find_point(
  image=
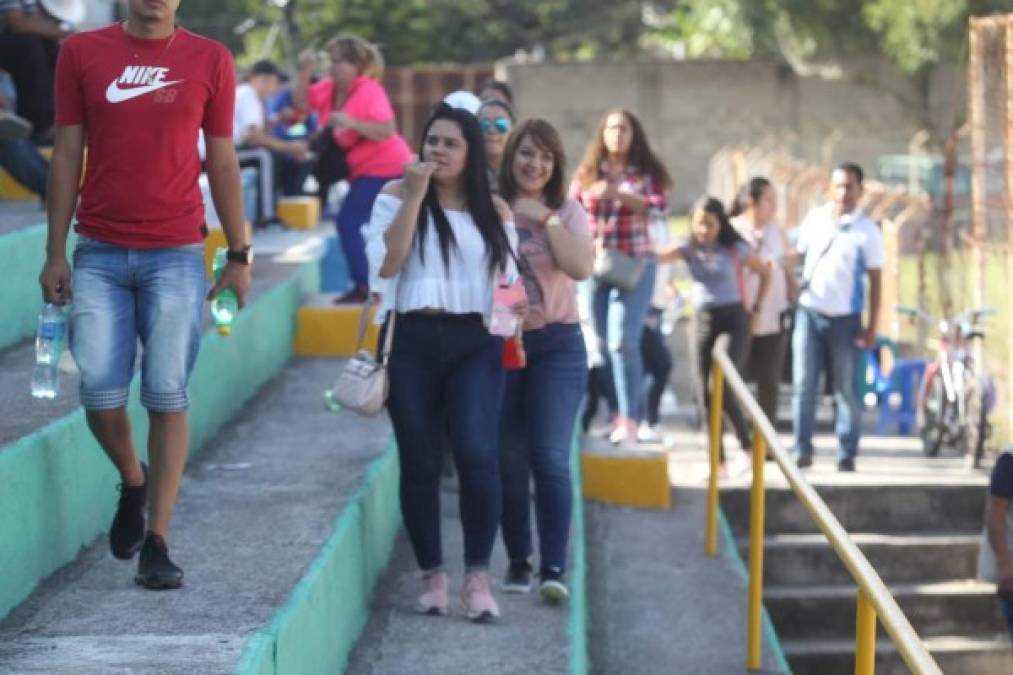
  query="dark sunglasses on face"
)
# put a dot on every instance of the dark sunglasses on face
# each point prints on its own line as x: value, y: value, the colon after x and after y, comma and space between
x: 500, y: 124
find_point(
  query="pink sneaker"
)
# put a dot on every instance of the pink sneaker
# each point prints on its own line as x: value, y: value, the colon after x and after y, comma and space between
x: 434, y: 599
x: 479, y: 605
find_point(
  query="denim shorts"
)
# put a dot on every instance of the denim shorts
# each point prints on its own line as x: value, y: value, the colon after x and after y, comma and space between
x: 122, y: 295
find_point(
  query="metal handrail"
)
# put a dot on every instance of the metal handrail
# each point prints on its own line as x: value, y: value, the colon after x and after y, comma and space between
x: 874, y: 599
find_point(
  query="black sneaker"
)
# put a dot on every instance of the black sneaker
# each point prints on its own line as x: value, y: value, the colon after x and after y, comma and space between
x: 552, y: 588
x: 803, y: 461
x: 846, y: 465
x: 126, y: 534
x: 154, y: 569
x: 518, y: 578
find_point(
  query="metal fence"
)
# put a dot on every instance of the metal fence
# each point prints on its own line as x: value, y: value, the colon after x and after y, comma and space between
x: 990, y: 262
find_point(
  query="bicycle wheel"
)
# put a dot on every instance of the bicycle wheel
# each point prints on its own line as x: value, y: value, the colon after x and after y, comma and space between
x: 975, y: 425
x: 932, y: 409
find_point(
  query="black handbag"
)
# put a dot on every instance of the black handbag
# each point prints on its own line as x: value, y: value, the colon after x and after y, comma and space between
x: 331, y: 165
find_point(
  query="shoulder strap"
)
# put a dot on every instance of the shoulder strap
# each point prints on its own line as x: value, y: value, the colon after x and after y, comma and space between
x: 360, y: 340
x: 826, y: 249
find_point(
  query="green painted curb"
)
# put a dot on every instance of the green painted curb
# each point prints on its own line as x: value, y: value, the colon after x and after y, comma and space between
x: 316, y: 628
x: 57, y: 493
x: 769, y: 634
x: 23, y: 252
x: 578, y: 620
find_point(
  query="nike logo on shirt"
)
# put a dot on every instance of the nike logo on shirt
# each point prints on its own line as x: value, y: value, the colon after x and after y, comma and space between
x: 150, y: 78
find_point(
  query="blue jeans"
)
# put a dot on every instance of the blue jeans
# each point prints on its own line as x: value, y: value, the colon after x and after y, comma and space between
x: 22, y: 161
x: 539, y: 412
x: 446, y: 375
x: 619, y: 325
x: 823, y: 342
x: 354, y: 213
x: 123, y: 294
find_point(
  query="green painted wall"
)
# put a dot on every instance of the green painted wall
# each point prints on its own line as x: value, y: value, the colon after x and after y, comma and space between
x: 22, y: 252
x: 578, y: 620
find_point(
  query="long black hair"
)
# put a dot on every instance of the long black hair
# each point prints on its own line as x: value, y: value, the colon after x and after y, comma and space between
x: 478, y: 194
x: 727, y: 235
x: 750, y: 192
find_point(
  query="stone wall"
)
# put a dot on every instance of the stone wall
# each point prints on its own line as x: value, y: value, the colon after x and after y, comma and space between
x: 692, y: 108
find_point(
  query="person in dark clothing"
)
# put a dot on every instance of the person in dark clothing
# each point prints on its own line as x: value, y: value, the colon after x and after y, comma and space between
x: 995, y: 557
x: 29, y: 43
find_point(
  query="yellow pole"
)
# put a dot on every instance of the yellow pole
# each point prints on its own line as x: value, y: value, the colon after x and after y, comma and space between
x: 717, y: 393
x: 754, y: 640
x: 865, y: 636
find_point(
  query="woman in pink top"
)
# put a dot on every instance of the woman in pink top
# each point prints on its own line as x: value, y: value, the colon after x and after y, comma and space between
x: 541, y: 401
x: 354, y: 104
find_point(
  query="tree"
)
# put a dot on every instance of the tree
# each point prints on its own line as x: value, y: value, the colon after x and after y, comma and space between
x: 916, y: 37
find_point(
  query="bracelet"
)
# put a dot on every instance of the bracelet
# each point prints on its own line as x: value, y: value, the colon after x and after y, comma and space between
x: 552, y: 220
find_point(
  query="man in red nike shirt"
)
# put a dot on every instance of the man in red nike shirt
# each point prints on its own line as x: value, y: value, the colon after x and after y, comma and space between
x: 136, y: 94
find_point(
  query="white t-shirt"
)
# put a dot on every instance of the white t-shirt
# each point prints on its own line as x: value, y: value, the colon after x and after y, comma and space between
x: 249, y: 112
x: 465, y: 288
x: 769, y: 243
x: 837, y: 277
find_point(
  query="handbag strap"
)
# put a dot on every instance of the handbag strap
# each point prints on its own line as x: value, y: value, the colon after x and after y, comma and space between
x: 826, y: 249
x: 388, y: 340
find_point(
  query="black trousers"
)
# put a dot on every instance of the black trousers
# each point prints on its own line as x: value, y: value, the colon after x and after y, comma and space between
x: 657, y: 364
x: 31, y: 61
x: 711, y: 323
x: 764, y: 366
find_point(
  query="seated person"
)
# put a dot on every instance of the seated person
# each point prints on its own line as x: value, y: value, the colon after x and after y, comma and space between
x: 255, y: 144
x: 29, y: 43
x: 288, y: 122
x: 18, y: 155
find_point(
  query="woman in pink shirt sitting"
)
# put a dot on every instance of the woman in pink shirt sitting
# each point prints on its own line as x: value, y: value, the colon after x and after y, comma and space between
x: 354, y: 104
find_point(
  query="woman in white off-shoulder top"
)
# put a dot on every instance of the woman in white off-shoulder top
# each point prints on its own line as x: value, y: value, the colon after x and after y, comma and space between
x: 438, y: 243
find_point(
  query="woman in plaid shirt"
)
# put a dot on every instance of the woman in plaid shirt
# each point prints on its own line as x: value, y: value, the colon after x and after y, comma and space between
x: 622, y: 184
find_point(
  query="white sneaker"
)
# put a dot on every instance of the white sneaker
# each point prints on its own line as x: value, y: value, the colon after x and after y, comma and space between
x: 647, y: 434
x: 741, y: 465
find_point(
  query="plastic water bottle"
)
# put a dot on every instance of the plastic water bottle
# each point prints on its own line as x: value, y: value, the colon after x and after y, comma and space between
x: 331, y: 402
x: 225, y: 305
x: 49, y: 341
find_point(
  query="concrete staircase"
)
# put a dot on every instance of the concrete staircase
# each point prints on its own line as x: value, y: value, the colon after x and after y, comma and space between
x: 918, y: 522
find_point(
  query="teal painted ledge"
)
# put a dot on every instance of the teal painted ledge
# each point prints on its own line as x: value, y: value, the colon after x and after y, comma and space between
x: 578, y: 620
x: 23, y: 252
x: 314, y: 631
x: 56, y: 485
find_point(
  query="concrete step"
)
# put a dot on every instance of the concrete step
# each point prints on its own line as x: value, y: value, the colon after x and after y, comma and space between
x: 808, y: 559
x: 904, y: 508
x: 529, y: 637
x: 988, y: 654
x: 254, y: 512
x: 964, y: 607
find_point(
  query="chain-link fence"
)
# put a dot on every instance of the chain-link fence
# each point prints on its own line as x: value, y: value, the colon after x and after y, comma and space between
x: 906, y: 219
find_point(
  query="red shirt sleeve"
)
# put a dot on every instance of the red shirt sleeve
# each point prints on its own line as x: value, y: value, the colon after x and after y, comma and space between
x: 220, y: 107
x: 69, y: 95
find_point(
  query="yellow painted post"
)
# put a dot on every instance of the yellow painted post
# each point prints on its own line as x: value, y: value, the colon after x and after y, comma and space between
x: 756, y: 526
x: 716, y: 401
x: 865, y: 636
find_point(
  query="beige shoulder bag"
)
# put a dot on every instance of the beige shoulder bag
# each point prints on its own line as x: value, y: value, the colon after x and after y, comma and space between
x: 363, y: 385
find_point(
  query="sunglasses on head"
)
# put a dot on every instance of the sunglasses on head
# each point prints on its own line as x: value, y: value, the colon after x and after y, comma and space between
x: 500, y: 124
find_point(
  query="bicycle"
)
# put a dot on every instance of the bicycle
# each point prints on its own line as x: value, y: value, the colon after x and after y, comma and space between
x: 955, y: 397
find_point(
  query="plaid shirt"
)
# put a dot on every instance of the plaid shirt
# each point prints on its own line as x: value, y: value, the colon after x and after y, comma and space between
x: 616, y: 225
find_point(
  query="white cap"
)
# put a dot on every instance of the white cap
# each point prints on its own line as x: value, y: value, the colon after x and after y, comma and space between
x: 71, y: 11
x: 463, y: 99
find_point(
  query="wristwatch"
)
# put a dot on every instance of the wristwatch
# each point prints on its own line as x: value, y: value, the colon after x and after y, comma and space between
x: 243, y: 257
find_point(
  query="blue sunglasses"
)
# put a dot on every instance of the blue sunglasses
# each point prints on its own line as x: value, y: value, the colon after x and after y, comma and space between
x: 501, y: 124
